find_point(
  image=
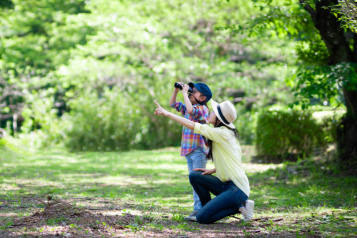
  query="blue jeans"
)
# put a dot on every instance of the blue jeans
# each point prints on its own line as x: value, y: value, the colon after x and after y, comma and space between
x: 229, y: 198
x: 196, y: 159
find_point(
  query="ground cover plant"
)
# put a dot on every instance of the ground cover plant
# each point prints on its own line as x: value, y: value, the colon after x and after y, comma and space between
x: 146, y: 194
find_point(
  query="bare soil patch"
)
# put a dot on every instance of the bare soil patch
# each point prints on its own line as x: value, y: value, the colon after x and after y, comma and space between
x: 60, y: 218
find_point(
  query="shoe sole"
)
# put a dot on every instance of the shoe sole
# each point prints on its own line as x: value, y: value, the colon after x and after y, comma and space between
x: 190, y: 218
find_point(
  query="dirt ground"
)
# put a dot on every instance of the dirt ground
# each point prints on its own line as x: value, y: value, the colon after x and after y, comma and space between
x: 51, y: 217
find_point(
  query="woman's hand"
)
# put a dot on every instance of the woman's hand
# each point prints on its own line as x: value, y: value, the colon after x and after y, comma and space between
x: 160, y: 111
x: 205, y: 171
x: 181, y: 120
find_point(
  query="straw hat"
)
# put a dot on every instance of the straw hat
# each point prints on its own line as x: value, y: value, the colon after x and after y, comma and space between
x: 225, y: 112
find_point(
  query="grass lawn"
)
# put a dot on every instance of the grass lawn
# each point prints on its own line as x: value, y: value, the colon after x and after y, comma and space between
x: 147, y: 194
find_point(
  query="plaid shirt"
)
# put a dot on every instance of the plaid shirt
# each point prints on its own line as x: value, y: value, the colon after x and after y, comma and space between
x: 190, y: 140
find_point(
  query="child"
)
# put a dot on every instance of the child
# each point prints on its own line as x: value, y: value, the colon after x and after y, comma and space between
x: 193, y: 146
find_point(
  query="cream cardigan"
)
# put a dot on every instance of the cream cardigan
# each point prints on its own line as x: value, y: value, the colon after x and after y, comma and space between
x: 226, y: 154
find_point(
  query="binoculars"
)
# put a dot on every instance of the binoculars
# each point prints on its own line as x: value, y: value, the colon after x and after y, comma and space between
x: 179, y: 86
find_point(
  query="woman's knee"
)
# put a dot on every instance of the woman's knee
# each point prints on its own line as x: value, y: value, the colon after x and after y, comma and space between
x: 194, y: 175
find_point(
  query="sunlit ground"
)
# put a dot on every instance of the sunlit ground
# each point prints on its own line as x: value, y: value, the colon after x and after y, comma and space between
x: 147, y: 192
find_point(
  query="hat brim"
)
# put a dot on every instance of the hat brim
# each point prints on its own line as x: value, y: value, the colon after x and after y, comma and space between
x: 214, y: 105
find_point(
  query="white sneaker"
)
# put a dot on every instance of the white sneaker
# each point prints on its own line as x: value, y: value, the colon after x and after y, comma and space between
x: 191, y: 217
x: 248, y: 210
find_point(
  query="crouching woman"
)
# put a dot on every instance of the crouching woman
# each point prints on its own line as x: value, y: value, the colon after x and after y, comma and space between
x: 230, y: 185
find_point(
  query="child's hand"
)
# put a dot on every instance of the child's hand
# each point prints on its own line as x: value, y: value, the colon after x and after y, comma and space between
x: 159, y: 110
x: 185, y: 89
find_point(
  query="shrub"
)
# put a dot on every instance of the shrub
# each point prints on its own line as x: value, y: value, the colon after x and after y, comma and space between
x: 329, y: 121
x: 108, y: 123
x: 286, y: 135
x: 245, y: 124
x: 116, y: 122
x: 9, y: 149
x: 42, y: 128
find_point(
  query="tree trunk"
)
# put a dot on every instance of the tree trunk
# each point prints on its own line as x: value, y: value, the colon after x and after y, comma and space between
x: 347, y: 134
x: 340, y: 50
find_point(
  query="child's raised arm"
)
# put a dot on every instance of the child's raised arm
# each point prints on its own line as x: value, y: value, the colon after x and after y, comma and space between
x: 188, y: 103
x: 173, y: 97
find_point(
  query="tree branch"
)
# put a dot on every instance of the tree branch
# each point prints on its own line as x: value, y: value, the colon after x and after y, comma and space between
x: 309, y: 9
x: 352, y: 6
x: 352, y: 1
x: 355, y: 46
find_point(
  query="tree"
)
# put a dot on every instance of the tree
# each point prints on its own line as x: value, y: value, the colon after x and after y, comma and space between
x: 36, y: 36
x: 342, y: 48
x: 348, y: 11
x: 327, y: 51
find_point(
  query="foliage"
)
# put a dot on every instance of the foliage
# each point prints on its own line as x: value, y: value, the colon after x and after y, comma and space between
x: 329, y: 126
x: 324, y: 83
x: 35, y: 37
x: 2, y: 143
x: 56, y: 55
x: 9, y: 148
x: 327, y: 59
x: 316, y: 77
x: 347, y: 13
x: 286, y: 134
x: 114, y: 122
x: 245, y: 123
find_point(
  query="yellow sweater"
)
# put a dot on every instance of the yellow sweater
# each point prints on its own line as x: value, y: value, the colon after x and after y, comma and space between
x: 226, y: 154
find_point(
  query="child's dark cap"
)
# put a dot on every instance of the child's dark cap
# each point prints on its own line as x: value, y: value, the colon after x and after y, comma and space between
x: 202, y: 88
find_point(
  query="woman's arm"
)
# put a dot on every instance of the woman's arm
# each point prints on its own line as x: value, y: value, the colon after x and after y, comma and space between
x: 181, y: 120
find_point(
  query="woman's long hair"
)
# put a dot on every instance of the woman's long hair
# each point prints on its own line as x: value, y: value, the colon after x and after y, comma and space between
x: 218, y: 123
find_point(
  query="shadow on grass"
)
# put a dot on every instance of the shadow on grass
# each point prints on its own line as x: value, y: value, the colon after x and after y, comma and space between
x: 61, y: 218
x: 304, y: 185
x: 151, y: 191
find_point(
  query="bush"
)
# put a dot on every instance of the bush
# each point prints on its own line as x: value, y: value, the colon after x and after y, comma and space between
x: 101, y: 124
x: 9, y: 149
x: 115, y: 121
x: 42, y: 128
x: 287, y: 135
x: 245, y: 124
x: 329, y: 121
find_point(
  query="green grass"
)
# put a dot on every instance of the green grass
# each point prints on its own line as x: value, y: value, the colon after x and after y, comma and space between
x: 148, y: 193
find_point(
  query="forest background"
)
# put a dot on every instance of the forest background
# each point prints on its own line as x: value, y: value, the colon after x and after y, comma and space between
x: 81, y: 76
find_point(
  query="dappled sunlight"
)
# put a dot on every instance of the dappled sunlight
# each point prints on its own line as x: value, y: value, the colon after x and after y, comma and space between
x: 255, y: 168
x: 165, y: 166
x: 121, y: 181
x: 28, y: 183
x: 50, y: 157
x: 172, y: 198
x: 153, y: 192
x: 9, y: 186
x: 165, y: 150
x: 8, y: 215
x: 167, y: 181
x: 113, y: 212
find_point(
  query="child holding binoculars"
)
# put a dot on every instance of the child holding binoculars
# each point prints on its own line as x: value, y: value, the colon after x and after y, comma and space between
x: 193, y: 146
